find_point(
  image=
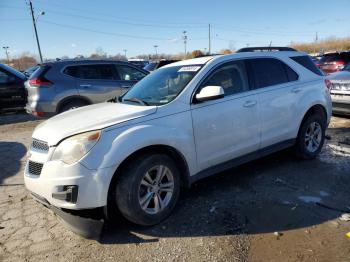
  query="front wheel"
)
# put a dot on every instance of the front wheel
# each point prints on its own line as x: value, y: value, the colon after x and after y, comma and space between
x: 148, y: 189
x: 311, y: 137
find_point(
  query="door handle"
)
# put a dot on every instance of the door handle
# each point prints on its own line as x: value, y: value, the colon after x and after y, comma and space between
x: 296, y: 90
x: 249, y: 103
x: 85, y: 86
x: 126, y: 86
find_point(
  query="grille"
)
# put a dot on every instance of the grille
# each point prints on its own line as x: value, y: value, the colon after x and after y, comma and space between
x: 40, y: 145
x: 34, y: 168
x: 341, y: 86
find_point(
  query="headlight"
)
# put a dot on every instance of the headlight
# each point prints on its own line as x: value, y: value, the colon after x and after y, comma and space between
x: 74, y: 148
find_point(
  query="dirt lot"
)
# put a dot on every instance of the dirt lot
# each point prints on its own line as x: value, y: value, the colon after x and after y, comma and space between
x: 230, y: 217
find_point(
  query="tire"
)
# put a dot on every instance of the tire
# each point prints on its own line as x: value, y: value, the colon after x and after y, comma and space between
x: 310, y: 141
x: 71, y: 105
x: 133, y: 189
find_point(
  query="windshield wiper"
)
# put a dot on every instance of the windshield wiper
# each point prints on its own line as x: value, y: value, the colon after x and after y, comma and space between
x: 137, y: 100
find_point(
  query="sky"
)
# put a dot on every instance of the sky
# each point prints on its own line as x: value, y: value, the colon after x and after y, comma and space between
x: 79, y: 27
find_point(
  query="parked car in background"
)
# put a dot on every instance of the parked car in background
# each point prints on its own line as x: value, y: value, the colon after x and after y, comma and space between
x: 140, y: 63
x: 28, y: 72
x: 63, y: 85
x: 316, y: 60
x: 333, y: 62
x: 12, y: 91
x: 186, y: 121
x: 158, y: 64
x: 340, y: 91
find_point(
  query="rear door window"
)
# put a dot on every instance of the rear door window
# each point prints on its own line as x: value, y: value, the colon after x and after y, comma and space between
x: 71, y: 71
x: 270, y: 71
x: 98, y: 72
x: 306, y: 62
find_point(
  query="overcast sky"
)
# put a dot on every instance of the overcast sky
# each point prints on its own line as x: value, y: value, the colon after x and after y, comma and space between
x: 79, y: 27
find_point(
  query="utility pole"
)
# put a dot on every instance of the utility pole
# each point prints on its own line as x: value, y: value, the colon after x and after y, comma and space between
x: 209, y: 41
x: 7, y: 53
x: 36, y: 32
x: 185, y: 41
x: 125, y: 52
x: 155, y: 48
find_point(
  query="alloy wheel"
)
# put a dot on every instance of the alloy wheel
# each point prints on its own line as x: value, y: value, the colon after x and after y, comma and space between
x: 156, y: 189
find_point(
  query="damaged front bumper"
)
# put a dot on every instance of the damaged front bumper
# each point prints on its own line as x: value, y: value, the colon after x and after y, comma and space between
x: 87, y: 223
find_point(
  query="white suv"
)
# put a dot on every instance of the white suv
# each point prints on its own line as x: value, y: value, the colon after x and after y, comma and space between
x: 185, y: 121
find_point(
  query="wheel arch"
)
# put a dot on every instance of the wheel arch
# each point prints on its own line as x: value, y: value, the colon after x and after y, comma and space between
x: 158, y: 149
x: 315, y: 109
x: 68, y: 99
x: 154, y: 149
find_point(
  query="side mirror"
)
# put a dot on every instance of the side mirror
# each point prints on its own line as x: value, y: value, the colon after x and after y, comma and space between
x: 210, y: 93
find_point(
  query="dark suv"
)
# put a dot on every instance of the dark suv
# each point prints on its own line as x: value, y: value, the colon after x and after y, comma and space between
x: 63, y: 85
x: 12, y: 92
x: 333, y: 62
x: 154, y: 65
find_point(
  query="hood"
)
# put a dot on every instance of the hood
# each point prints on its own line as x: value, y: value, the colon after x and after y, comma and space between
x: 339, y: 76
x: 88, y: 118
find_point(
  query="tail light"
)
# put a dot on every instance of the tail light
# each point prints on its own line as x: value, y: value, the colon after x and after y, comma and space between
x: 40, y: 82
x: 328, y: 84
x: 39, y: 114
x: 339, y: 64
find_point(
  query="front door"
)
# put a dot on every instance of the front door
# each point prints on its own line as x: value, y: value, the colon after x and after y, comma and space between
x: 226, y: 128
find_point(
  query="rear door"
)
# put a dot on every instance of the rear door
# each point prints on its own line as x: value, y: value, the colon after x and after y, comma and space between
x: 278, y: 96
x: 128, y: 76
x: 12, y: 92
x: 99, y: 82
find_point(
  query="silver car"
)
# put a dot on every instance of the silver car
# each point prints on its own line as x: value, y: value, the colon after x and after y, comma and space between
x: 63, y: 85
x: 340, y: 91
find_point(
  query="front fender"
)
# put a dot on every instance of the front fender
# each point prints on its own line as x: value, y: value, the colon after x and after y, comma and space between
x: 119, y: 143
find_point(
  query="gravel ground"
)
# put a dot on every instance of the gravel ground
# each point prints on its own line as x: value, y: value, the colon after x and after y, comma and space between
x: 274, y: 209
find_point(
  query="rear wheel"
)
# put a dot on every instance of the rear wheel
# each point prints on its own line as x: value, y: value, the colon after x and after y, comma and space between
x: 72, y: 105
x: 148, y: 189
x: 311, y: 137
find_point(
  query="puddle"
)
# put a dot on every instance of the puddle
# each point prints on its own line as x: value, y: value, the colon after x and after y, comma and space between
x: 336, y: 154
x: 323, y: 193
x: 310, y: 199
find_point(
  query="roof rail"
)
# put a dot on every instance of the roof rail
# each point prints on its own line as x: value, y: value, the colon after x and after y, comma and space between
x: 265, y: 49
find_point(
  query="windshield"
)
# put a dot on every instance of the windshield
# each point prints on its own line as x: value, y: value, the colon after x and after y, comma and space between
x: 162, y: 86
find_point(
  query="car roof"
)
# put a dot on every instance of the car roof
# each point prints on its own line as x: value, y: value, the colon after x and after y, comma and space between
x: 12, y: 71
x: 86, y: 61
x: 207, y: 59
x: 194, y: 61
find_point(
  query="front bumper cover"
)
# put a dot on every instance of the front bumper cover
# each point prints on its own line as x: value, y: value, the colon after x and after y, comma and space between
x: 87, y: 223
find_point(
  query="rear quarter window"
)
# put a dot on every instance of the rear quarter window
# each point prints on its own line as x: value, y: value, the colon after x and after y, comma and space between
x: 307, y: 63
x: 40, y: 72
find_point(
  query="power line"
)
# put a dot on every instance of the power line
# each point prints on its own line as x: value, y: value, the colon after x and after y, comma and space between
x: 177, y: 23
x: 113, y: 20
x: 104, y: 32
